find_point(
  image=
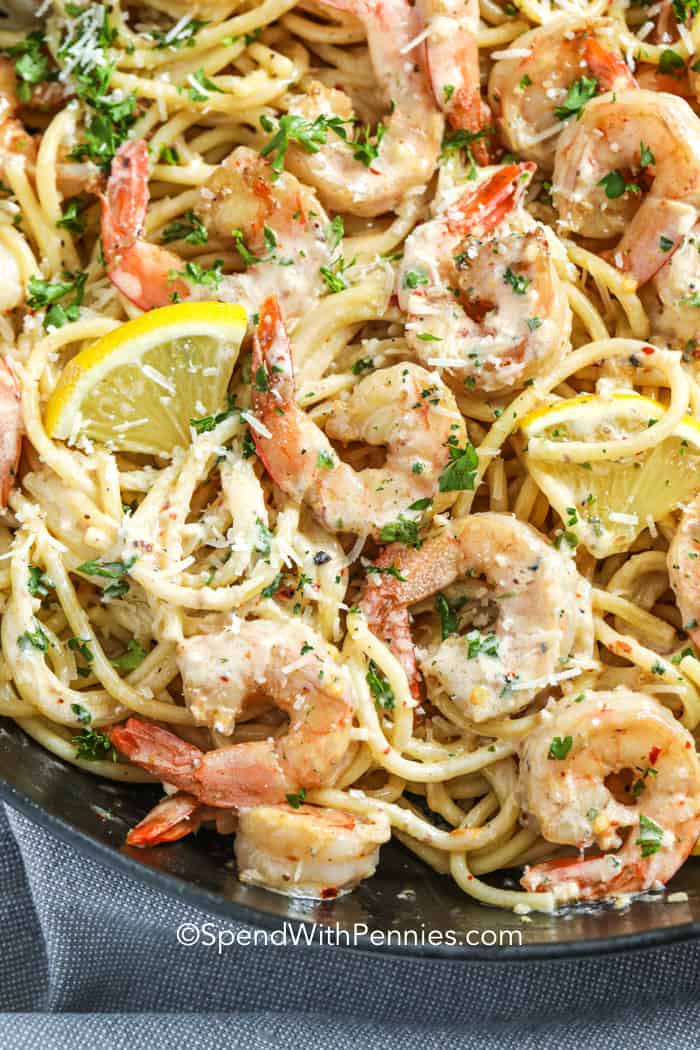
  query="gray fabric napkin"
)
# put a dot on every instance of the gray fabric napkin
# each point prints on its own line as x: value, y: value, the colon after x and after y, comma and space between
x: 78, y: 939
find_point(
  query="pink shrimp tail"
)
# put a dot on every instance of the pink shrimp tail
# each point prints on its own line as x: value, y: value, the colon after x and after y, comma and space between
x: 126, y: 201
x: 610, y: 69
x: 479, y: 211
x: 158, y: 751
x: 272, y: 358
x: 173, y: 818
x: 10, y: 430
x: 141, y: 271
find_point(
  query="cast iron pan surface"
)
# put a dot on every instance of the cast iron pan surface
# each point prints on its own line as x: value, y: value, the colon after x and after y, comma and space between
x: 94, y: 816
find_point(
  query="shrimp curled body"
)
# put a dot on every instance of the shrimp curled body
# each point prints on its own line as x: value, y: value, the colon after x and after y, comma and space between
x: 568, y: 771
x: 484, y: 301
x: 528, y: 94
x: 295, y: 671
x: 403, y: 407
x: 532, y: 607
x: 306, y: 851
x: 647, y: 134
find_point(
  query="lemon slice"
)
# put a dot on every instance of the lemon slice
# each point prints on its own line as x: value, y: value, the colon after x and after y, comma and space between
x: 137, y: 388
x: 605, y: 505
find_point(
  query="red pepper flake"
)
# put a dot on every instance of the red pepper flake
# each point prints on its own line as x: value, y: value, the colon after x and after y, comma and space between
x: 623, y: 647
x: 653, y: 755
x: 329, y: 893
x: 648, y: 350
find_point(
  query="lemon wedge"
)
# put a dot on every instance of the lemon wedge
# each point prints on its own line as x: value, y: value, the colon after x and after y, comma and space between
x: 138, y: 387
x: 605, y: 505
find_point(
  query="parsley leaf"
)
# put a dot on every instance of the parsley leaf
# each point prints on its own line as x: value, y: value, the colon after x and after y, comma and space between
x: 401, y: 531
x: 517, y: 281
x: 131, y: 658
x: 448, y: 616
x: 291, y: 127
x: 72, y: 217
x: 650, y: 836
x: 670, y: 61
x: 477, y: 643
x: 190, y: 229
x: 49, y: 293
x: 379, y: 687
x: 560, y: 747
x: 580, y: 92
x: 201, y: 86
x: 460, y: 473
x: 296, y: 798
x: 615, y: 185
x: 39, y: 583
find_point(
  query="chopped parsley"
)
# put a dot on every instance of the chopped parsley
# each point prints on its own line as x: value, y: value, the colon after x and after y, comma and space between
x: 478, y: 644
x: 207, y: 423
x: 460, y: 473
x: 363, y: 364
x: 178, y: 36
x: 646, y: 157
x: 31, y: 64
x: 403, y: 530
x: 448, y: 616
x: 310, y: 134
x: 616, y: 185
x: 189, y: 228
x: 670, y: 61
x: 391, y: 570
x: 334, y: 275
x: 72, y: 217
x: 201, y: 87
x: 39, y: 583
x: 517, y: 281
x: 50, y: 293
x: 461, y: 141
x: 201, y: 274
x: 115, y: 113
x: 296, y: 798
x: 414, y: 278
x: 650, y: 836
x: 379, y: 687
x: 560, y: 747
x: 131, y: 658
x: 580, y: 92
x: 34, y: 639
x: 112, y: 570
x: 91, y: 745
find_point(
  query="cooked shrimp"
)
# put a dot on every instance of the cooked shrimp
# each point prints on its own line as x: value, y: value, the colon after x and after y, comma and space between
x: 575, y: 766
x: 672, y: 296
x: 278, y: 221
x: 307, y: 851
x: 568, y: 58
x: 15, y: 141
x: 404, y: 407
x: 522, y: 605
x: 407, y: 154
x: 683, y: 570
x: 171, y: 819
x: 483, y: 298
x: 452, y: 58
x: 297, y: 672
x: 142, y: 271
x: 10, y: 430
x: 644, y: 132
x: 242, y: 194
